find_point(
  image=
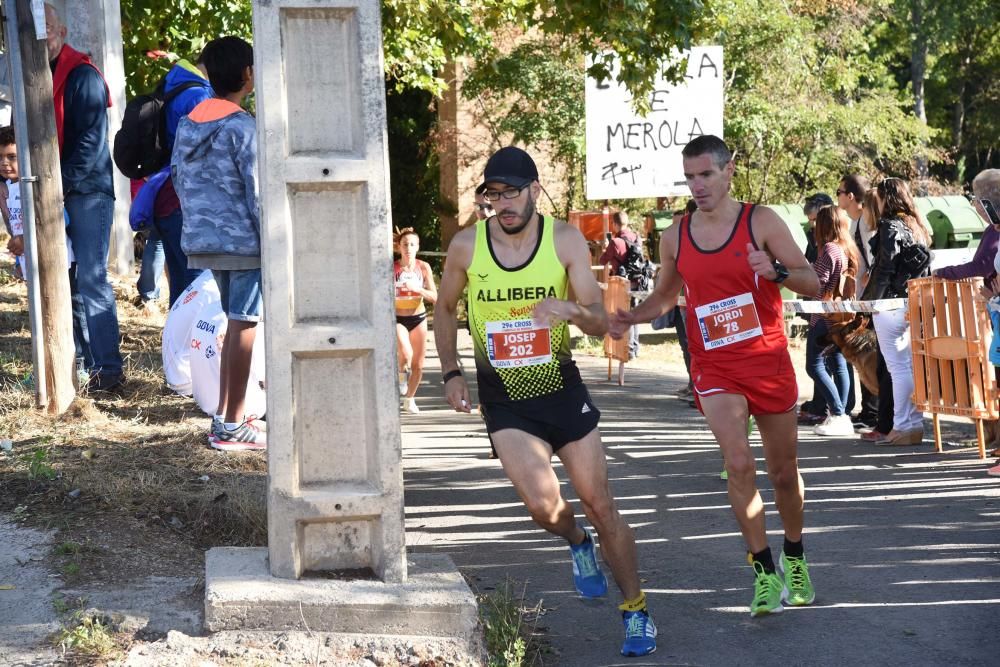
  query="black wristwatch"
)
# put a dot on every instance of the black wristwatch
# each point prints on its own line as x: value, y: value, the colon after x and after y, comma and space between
x: 782, y: 272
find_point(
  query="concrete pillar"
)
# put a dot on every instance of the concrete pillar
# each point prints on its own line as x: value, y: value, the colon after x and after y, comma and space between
x: 335, y: 484
x: 335, y: 488
x: 95, y: 27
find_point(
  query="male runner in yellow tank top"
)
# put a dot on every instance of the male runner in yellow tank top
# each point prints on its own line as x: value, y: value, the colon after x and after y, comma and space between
x: 517, y: 266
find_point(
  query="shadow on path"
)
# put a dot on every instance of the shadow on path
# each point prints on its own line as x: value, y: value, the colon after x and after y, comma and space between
x: 904, y: 544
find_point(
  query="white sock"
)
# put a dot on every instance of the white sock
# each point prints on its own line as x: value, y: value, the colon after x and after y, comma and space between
x: 231, y: 426
x: 219, y: 418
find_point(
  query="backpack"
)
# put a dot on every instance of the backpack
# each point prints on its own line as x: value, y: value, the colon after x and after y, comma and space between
x: 141, y: 144
x: 636, y: 267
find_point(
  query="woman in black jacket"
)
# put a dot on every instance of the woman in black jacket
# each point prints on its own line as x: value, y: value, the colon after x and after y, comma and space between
x: 901, y: 251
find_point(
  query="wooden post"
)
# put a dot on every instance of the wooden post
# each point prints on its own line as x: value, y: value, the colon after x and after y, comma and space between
x: 50, y: 228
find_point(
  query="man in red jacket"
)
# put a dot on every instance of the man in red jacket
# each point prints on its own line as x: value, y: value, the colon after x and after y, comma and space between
x: 81, y: 100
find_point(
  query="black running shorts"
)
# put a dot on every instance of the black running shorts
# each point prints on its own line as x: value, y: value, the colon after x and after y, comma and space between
x: 559, y: 418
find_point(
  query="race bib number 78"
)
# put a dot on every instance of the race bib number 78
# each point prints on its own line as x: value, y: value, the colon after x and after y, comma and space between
x: 728, y: 321
x: 517, y: 343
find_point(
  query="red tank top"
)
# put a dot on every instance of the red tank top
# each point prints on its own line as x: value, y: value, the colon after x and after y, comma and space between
x: 734, y: 318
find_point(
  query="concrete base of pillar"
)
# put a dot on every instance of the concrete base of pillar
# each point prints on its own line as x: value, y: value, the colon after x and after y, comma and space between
x: 241, y: 594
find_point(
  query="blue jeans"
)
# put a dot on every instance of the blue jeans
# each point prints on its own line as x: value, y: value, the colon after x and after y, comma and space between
x: 168, y: 228
x: 152, y: 267
x: 90, y: 220
x: 833, y: 384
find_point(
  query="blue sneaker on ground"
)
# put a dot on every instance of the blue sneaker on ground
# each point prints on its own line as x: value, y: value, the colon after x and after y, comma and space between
x: 640, y: 634
x: 588, y: 578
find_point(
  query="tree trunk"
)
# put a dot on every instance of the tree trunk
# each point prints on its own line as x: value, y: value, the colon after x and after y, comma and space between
x: 50, y: 227
x: 958, y: 116
x: 918, y: 71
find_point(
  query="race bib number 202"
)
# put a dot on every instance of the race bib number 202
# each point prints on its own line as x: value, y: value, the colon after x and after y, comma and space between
x: 517, y: 343
x: 728, y: 321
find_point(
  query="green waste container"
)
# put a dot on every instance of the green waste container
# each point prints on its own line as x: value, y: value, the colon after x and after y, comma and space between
x: 661, y: 220
x: 954, y: 222
x: 795, y: 220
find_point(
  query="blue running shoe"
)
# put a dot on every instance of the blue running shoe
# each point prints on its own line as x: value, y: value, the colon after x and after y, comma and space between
x: 640, y: 634
x: 588, y: 578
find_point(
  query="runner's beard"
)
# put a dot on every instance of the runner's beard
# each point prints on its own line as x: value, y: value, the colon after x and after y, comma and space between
x: 529, y: 213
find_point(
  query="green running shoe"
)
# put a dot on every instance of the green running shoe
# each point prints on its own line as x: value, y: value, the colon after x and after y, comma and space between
x: 799, y: 590
x: 724, y: 475
x: 767, y: 591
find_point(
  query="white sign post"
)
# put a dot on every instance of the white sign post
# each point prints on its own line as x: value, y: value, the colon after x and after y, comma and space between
x: 633, y: 156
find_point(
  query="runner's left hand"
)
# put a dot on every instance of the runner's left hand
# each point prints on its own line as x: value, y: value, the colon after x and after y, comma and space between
x: 761, y: 263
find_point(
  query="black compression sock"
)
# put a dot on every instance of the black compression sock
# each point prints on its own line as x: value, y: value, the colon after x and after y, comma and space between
x: 765, y: 559
x: 793, y: 549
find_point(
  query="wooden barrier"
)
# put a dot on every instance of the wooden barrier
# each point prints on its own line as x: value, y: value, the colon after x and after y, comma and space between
x: 951, y: 334
x: 616, y: 297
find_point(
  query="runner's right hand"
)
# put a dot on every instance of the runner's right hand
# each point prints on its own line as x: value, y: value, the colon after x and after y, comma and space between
x: 457, y: 393
x: 619, y: 323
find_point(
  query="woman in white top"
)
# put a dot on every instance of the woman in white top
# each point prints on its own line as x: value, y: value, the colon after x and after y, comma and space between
x: 414, y: 285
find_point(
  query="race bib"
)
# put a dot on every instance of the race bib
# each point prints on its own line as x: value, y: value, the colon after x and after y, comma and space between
x: 728, y: 321
x: 407, y: 299
x: 517, y: 343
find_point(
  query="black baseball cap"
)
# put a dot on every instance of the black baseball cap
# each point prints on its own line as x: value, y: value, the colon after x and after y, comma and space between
x: 511, y: 166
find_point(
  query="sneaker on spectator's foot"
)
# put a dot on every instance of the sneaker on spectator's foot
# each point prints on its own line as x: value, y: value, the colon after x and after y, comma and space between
x: 870, y: 420
x: 215, y: 429
x: 105, y: 382
x: 247, y: 436
x: 994, y: 471
x: 873, y: 435
x: 809, y: 419
x: 640, y: 634
x: 767, y: 591
x: 799, y: 590
x: 835, y: 426
x: 588, y: 578
x: 724, y: 475
x: 410, y: 405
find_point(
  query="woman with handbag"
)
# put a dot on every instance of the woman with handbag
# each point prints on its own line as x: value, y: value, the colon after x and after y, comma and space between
x: 902, y: 252
x: 836, y: 266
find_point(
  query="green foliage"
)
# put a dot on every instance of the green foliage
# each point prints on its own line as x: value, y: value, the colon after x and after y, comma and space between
x: 962, y: 99
x: 38, y: 465
x: 805, y: 101
x: 509, y: 641
x: 535, y: 96
x: 413, y: 164
x: 86, y: 635
x: 67, y: 549
x: 157, y: 33
x: 420, y: 36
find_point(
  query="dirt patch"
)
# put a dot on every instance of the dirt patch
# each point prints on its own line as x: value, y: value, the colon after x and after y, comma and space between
x: 129, y: 497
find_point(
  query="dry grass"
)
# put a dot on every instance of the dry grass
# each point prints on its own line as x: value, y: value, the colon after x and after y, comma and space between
x: 139, y: 457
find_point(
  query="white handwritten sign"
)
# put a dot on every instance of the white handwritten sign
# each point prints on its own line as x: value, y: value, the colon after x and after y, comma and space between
x: 633, y: 156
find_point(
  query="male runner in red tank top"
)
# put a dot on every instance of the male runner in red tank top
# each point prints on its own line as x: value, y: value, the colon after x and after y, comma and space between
x: 731, y: 258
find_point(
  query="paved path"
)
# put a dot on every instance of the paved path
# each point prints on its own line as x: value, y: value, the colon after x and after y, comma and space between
x: 904, y: 543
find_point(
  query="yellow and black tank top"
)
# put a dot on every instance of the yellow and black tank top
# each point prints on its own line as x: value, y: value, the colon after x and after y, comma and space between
x: 517, y: 359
